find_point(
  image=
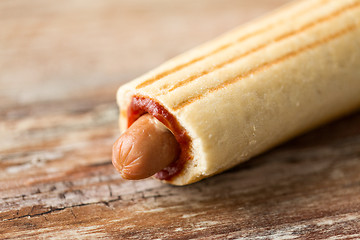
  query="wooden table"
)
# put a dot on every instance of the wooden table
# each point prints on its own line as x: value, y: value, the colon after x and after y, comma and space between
x: 60, y: 65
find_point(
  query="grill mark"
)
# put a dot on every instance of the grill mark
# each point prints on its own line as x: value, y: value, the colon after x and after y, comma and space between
x: 266, y: 66
x: 262, y: 46
x: 222, y: 47
x: 181, y: 66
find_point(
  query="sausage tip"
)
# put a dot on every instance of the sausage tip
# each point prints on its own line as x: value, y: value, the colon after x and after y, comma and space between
x: 144, y: 149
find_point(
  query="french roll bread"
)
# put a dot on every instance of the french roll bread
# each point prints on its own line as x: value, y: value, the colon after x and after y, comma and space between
x: 253, y: 88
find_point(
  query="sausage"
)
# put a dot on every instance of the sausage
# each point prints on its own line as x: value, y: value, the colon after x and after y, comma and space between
x: 144, y: 149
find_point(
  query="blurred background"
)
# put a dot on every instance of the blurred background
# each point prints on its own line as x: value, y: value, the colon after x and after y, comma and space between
x: 55, y: 50
x: 61, y: 63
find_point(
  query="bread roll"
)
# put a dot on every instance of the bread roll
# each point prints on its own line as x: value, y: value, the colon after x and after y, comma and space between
x: 252, y: 88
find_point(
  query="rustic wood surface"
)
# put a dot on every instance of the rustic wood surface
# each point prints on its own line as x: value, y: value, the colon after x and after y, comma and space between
x: 60, y: 65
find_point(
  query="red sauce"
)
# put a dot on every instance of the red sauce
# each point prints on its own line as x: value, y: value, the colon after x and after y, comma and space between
x: 140, y: 105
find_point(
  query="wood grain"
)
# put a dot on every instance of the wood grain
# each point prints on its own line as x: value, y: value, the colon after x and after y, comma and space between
x: 60, y: 65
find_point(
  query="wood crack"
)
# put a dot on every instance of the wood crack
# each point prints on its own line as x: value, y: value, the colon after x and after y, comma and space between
x: 52, y: 210
x: 131, y: 198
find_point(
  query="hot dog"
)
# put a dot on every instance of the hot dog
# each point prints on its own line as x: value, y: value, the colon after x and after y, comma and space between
x: 245, y: 92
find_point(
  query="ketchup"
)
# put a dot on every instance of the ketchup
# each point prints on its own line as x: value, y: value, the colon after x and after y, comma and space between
x: 141, y: 105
